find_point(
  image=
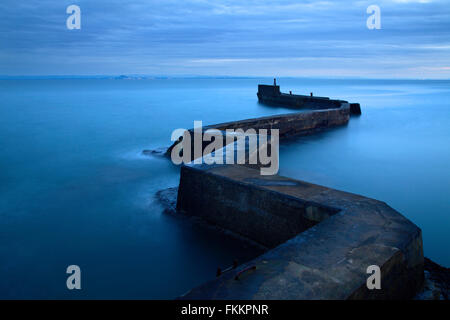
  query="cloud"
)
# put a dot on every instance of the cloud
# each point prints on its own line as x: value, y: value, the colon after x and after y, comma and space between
x: 210, y: 37
x: 412, y: 1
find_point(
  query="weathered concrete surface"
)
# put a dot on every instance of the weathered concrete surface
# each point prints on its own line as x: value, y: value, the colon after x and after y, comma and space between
x: 261, y: 214
x: 289, y: 125
x: 324, y: 239
x: 293, y: 124
x: 321, y: 240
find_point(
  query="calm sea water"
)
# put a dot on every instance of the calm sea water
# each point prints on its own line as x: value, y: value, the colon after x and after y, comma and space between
x: 75, y: 189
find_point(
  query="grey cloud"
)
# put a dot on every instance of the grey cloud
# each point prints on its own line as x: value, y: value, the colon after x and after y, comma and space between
x: 229, y: 37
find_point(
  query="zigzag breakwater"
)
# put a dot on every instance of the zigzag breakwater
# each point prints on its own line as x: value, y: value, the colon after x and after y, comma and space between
x: 320, y: 242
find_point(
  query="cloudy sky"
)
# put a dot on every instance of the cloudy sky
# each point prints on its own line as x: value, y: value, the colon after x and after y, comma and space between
x: 226, y: 37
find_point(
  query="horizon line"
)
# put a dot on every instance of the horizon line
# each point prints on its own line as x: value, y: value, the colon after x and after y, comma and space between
x: 194, y: 76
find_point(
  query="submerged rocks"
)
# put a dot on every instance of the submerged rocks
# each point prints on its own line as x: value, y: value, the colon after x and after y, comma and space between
x: 155, y: 152
x: 168, y: 199
x: 437, y: 282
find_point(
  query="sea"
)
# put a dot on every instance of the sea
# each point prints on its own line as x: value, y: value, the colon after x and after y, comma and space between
x: 75, y: 188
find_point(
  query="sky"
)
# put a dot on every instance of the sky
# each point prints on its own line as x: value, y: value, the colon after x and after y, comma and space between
x: 226, y: 38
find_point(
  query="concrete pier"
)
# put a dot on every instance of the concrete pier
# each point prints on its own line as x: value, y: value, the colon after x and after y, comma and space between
x: 271, y: 95
x: 321, y: 240
x: 289, y: 125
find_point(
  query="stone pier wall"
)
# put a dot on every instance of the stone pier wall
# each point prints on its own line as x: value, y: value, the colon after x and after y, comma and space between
x: 321, y: 240
x: 293, y: 124
x: 262, y: 215
x: 289, y: 125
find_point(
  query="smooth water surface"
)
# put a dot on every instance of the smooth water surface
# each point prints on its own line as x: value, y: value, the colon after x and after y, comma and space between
x: 75, y: 189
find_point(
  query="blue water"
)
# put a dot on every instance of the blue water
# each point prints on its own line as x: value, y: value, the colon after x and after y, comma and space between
x: 75, y: 189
